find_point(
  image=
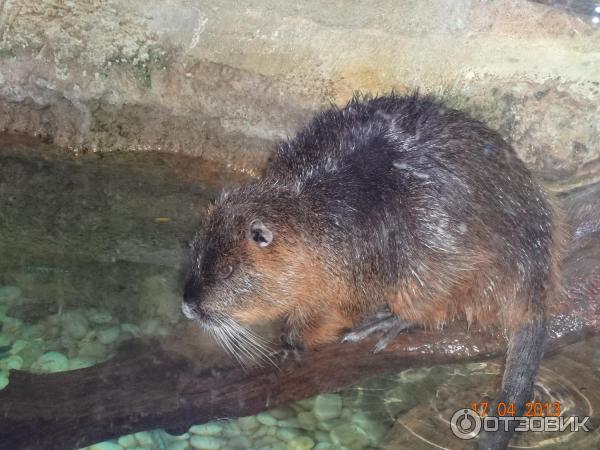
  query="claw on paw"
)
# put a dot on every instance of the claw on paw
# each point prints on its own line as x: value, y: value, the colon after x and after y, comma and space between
x: 386, y: 323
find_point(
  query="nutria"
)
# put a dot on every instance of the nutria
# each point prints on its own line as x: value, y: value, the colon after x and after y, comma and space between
x: 393, y: 202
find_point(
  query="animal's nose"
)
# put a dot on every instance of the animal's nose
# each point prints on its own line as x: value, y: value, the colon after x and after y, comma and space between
x: 191, y: 291
x: 188, y: 311
x: 191, y: 299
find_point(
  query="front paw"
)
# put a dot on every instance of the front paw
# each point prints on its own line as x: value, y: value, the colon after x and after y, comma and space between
x: 291, y: 348
x: 290, y: 341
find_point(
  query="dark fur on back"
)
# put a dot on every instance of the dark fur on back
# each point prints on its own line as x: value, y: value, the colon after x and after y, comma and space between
x: 391, y: 200
x: 395, y: 178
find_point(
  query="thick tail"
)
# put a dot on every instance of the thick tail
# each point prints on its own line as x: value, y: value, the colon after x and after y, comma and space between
x: 522, y: 362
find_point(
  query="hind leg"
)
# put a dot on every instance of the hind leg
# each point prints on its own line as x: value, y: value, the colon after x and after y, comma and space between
x: 384, y: 322
x: 391, y: 321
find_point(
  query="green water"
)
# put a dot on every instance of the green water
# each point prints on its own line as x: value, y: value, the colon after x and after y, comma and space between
x: 93, y: 251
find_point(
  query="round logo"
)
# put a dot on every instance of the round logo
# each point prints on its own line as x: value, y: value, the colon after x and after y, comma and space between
x: 465, y: 424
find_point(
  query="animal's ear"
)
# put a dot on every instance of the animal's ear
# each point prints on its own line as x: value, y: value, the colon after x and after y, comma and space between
x: 260, y: 234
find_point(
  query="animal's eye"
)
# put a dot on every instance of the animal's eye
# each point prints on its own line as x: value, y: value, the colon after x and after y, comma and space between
x: 226, y: 271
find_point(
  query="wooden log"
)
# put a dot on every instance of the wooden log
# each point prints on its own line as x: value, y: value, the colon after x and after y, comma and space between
x: 152, y: 384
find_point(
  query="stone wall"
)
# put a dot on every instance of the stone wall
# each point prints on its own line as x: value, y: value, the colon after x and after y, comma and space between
x: 225, y: 79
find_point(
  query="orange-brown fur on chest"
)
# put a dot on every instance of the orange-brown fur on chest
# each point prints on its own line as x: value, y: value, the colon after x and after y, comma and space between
x: 297, y: 284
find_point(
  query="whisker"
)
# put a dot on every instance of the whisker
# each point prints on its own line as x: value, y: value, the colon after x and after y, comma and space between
x: 248, y: 348
x: 259, y: 345
x: 256, y: 348
x: 225, y: 341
